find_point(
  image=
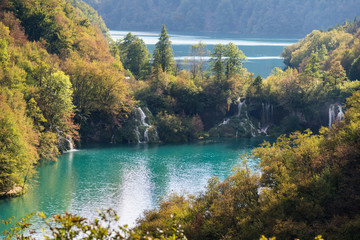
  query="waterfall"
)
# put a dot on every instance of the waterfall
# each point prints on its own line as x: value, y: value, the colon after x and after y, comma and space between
x: 331, y: 115
x: 144, y: 129
x: 252, y: 129
x: 142, y: 117
x: 246, y: 122
x: 267, y: 116
x: 137, y: 134
x: 340, y: 115
x: 263, y: 130
x: 240, y: 104
x: 335, y: 114
x: 69, y: 140
x: 65, y: 142
x: 146, y: 135
x: 226, y: 121
x: 112, y: 141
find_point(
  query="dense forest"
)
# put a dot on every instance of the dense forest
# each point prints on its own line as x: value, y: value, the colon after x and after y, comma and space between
x: 248, y: 17
x: 53, y: 84
x: 63, y: 80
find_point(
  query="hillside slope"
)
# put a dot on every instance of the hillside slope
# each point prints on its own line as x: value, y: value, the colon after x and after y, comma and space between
x: 256, y: 17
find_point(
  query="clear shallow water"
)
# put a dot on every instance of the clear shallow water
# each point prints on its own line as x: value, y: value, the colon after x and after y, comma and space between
x: 263, y: 53
x: 127, y: 178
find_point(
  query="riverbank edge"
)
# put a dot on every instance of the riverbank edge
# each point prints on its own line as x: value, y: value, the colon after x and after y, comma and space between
x: 16, y: 191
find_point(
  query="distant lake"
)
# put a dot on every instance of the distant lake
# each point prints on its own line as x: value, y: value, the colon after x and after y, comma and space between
x: 263, y: 54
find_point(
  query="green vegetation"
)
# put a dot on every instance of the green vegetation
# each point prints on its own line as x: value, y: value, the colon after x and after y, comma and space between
x: 133, y: 54
x: 319, y: 74
x: 248, y: 17
x: 53, y: 85
x: 69, y: 226
x: 307, y: 185
x: 60, y: 79
x: 163, y: 54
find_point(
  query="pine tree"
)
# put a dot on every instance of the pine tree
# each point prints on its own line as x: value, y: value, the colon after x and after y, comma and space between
x: 163, y: 53
x: 216, y: 62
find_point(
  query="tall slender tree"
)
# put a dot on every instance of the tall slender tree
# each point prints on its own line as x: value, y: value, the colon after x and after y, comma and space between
x: 216, y: 62
x: 198, y: 51
x: 234, y: 58
x: 163, y: 53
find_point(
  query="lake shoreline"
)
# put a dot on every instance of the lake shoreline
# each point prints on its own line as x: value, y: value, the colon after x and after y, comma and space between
x: 127, y: 177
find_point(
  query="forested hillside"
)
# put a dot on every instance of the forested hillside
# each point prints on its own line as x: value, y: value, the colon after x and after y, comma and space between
x: 61, y: 80
x: 248, y: 17
x: 56, y: 77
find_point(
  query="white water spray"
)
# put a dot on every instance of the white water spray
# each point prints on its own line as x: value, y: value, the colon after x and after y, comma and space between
x: 145, y: 138
x: 335, y: 114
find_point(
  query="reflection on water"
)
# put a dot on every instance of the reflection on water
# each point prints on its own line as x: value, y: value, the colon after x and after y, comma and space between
x: 127, y: 178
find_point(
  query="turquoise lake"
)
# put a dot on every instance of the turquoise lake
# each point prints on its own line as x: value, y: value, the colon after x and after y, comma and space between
x: 127, y: 178
x: 263, y: 54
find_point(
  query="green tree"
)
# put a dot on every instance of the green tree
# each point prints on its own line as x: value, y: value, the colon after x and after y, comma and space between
x: 233, y: 60
x: 313, y: 66
x: 56, y: 99
x: 336, y: 73
x: 216, y: 61
x: 163, y: 54
x: 198, y: 51
x: 355, y: 70
x: 135, y: 55
x: 17, y: 144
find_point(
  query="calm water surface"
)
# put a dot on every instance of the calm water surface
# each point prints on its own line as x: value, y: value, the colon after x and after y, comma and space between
x: 263, y: 54
x: 127, y: 178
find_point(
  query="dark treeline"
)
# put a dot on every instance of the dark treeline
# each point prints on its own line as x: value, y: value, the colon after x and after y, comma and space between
x: 248, y: 17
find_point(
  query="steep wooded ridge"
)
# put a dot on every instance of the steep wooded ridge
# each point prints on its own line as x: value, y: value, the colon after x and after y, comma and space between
x: 248, y: 17
x: 56, y: 77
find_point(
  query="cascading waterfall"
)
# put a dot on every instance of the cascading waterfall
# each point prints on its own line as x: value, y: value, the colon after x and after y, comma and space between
x: 226, y: 121
x: 145, y: 138
x: 331, y: 115
x: 69, y: 140
x: 112, y: 141
x: 340, y: 115
x: 146, y: 135
x: 263, y: 130
x: 335, y: 114
x: 65, y: 141
x: 240, y: 105
x: 247, y: 124
x: 137, y: 132
x: 267, y: 115
x: 142, y: 117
